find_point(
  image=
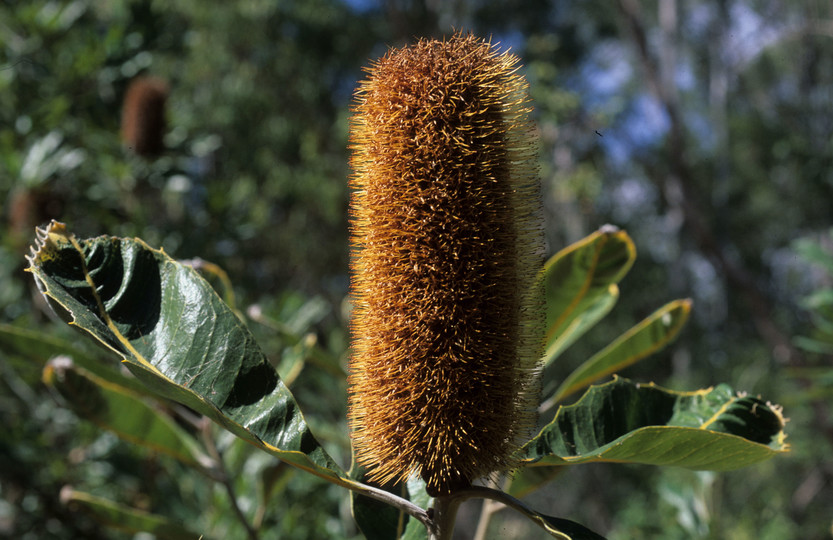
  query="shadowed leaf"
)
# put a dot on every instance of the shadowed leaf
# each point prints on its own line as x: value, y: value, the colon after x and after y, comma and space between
x: 118, y: 409
x: 125, y: 518
x: 649, y: 336
x: 580, y: 285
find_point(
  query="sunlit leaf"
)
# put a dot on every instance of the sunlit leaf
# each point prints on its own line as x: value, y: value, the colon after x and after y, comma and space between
x: 418, y: 495
x: 580, y: 285
x: 591, y: 313
x: 178, y: 337
x: 528, y: 479
x: 649, y: 336
x: 713, y: 429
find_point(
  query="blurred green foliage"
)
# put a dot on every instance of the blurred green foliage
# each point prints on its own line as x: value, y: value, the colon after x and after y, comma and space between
x: 254, y: 180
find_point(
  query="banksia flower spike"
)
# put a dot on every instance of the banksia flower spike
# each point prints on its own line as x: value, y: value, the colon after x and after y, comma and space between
x: 447, y: 240
x: 143, y: 116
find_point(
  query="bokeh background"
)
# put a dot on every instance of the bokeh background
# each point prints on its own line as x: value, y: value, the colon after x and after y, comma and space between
x: 702, y: 127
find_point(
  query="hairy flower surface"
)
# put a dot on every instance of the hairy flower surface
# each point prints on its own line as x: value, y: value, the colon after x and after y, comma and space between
x: 447, y: 239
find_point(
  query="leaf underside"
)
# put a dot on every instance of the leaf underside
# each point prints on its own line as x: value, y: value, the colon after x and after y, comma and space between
x: 714, y: 429
x: 649, y: 336
x: 580, y: 285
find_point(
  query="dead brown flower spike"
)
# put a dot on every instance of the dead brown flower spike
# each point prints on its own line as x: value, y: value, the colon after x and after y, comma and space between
x: 447, y: 239
x: 143, y: 116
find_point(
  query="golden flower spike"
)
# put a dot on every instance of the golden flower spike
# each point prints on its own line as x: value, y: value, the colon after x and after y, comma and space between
x: 447, y: 239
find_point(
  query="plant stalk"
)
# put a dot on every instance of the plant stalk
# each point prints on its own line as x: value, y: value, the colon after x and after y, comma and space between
x: 224, y: 479
x: 443, y: 515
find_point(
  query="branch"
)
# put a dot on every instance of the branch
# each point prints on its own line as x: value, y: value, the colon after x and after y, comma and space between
x: 389, y: 498
x: 682, y: 178
x: 224, y: 479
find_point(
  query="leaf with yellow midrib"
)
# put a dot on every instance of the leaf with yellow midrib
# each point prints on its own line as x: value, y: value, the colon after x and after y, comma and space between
x: 178, y: 337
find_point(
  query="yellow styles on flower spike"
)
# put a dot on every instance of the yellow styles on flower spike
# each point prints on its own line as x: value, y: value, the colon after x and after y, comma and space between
x: 447, y: 238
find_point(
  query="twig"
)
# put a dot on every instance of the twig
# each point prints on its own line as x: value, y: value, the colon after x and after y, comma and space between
x: 388, y: 498
x: 682, y: 178
x: 224, y: 479
x: 488, y: 509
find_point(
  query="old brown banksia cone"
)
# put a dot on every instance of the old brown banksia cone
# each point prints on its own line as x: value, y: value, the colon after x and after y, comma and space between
x: 447, y: 239
x: 143, y: 116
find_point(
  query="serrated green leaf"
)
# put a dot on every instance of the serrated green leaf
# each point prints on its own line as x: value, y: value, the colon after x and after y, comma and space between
x: 178, y: 337
x: 579, y: 284
x: 118, y: 409
x: 124, y: 518
x: 649, y: 336
x: 713, y: 429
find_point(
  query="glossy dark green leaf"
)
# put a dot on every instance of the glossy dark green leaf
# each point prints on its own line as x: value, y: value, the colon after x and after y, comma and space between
x: 621, y: 421
x: 377, y: 520
x: 124, y: 518
x: 118, y: 409
x: 580, y: 285
x: 649, y: 336
x: 178, y: 337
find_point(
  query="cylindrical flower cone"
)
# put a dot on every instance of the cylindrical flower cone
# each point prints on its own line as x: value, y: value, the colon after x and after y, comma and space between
x: 447, y: 240
x: 143, y: 121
